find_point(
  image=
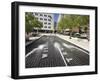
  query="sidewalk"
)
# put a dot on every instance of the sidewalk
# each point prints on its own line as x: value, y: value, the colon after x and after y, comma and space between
x: 82, y: 43
x: 32, y: 39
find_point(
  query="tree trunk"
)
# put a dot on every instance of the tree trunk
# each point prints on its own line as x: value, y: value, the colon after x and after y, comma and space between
x: 37, y: 31
x: 70, y: 35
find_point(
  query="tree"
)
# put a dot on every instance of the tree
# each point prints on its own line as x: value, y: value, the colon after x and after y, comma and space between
x: 70, y: 22
x: 31, y: 22
x: 73, y: 21
x: 62, y: 25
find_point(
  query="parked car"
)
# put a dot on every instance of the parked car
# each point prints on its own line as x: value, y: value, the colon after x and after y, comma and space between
x: 83, y: 36
x: 76, y: 35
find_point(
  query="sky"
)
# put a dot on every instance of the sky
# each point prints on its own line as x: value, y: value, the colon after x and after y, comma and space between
x: 56, y: 17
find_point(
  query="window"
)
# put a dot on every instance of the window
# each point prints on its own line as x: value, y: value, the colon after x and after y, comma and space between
x: 49, y: 19
x: 41, y: 14
x: 45, y: 26
x: 36, y: 13
x: 45, y: 22
x: 45, y: 19
x: 49, y: 26
x: 41, y: 18
x: 49, y: 23
x: 45, y: 15
x: 49, y: 16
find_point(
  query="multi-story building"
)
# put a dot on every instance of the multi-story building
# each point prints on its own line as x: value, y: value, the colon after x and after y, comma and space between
x: 47, y: 19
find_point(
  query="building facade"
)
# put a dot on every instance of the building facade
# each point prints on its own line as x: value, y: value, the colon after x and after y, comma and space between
x: 47, y: 21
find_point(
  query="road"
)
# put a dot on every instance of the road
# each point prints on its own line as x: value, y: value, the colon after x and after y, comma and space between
x: 52, y: 51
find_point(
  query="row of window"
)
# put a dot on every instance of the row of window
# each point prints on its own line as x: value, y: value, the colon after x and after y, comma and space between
x: 47, y: 23
x: 45, y: 19
x: 47, y: 26
x: 44, y: 15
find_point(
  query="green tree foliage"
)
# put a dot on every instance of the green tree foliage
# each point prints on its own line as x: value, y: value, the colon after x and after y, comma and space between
x: 31, y: 22
x: 62, y: 24
x: 70, y: 21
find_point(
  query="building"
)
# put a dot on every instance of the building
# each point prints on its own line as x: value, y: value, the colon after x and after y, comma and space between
x: 47, y: 20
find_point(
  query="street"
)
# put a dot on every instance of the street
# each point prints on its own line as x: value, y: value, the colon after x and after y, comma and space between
x: 52, y: 51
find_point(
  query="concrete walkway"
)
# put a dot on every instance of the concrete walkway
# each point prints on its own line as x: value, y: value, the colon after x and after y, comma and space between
x: 82, y: 43
x: 32, y: 39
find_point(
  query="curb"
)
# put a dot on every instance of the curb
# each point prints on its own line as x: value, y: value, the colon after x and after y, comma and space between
x: 33, y: 41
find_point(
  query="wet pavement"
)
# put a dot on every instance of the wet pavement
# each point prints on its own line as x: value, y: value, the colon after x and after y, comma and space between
x: 52, y: 51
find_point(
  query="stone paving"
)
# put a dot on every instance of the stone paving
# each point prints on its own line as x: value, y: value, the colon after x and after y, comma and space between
x: 82, y: 43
